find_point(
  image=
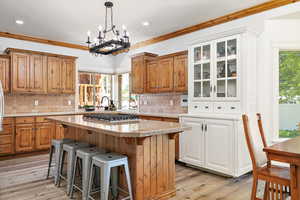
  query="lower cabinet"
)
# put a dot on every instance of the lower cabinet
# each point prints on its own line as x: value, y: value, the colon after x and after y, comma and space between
x: 25, y: 137
x: 59, y: 131
x: 214, y: 144
x: 44, y: 133
x: 192, y: 142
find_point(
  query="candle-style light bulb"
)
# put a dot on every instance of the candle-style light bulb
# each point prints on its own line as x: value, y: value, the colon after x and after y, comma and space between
x: 100, y: 28
x: 124, y: 27
x: 89, y: 33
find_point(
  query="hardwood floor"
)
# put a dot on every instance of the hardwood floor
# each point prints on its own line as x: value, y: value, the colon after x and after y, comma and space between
x: 24, y: 179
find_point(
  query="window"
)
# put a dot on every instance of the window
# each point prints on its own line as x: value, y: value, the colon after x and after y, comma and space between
x: 126, y: 99
x: 92, y: 87
x: 289, y: 94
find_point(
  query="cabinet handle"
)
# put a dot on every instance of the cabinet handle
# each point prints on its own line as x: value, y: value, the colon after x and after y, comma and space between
x: 195, y: 106
x: 210, y: 88
x: 232, y: 108
x: 214, y: 89
x: 202, y: 127
x: 206, y: 107
x: 205, y: 127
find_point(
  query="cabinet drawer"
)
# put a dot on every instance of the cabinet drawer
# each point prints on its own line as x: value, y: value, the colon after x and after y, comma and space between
x: 41, y: 119
x: 5, y: 149
x: 8, y: 120
x: 7, y: 129
x: 5, y: 139
x: 234, y: 107
x: 200, y: 107
x: 24, y: 120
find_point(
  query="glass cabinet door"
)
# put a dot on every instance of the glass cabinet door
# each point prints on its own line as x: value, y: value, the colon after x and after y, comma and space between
x: 226, y: 68
x: 202, y: 69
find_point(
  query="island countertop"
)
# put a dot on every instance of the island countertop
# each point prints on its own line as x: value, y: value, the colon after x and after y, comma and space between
x: 140, y: 128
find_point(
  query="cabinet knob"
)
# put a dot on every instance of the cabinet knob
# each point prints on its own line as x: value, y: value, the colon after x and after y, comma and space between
x: 206, y: 107
x: 195, y: 106
x: 232, y: 108
x: 219, y: 107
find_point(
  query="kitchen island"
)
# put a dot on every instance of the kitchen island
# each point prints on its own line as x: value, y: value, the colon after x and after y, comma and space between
x: 149, y: 145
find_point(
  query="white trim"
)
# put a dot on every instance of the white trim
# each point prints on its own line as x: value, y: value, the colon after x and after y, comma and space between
x: 276, y: 48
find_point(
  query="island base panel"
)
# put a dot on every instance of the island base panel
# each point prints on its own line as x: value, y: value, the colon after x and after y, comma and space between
x: 151, y: 161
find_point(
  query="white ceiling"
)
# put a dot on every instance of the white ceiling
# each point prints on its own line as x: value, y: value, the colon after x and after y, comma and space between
x: 295, y: 15
x: 69, y: 20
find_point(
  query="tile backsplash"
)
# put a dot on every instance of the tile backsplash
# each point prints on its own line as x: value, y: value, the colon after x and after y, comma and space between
x: 38, y: 103
x: 161, y: 103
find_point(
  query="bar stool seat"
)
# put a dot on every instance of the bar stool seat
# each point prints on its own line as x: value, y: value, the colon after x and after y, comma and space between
x: 106, y: 162
x: 85, y: 155
x: 69, y: 149
x: 56, y: 146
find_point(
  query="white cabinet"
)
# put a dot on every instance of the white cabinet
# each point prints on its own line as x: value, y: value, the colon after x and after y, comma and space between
x: 214, y: 144
x: 219, y: 146
x: 192, y: 142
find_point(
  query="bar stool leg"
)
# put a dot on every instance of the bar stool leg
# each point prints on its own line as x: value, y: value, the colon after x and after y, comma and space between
x: 50, y: 161
x: 86, y: 165
x: 60, y: 168
x: 105, y: 179
x: 127, y: 173
x: 70, y: 167
x: 58, y: 154
x: 73, y: 178
x: 91, y: 180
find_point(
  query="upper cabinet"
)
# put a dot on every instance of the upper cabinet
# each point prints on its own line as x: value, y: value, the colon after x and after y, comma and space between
x: 215, y: 69
x: 41, y: 73
x: 166, y: 73
x: 4, y: 72
x: 139, y: 72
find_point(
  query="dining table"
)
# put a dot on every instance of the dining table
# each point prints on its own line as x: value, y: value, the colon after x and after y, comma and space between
x: 288, y: 152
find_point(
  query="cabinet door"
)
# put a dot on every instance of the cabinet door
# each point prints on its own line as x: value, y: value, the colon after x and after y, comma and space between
x: 180, y: 73
x: 4, y: 73
x: 192, y: 142
x: 24, y: 137
x: 227, y: 63
x: 37, y: 74
x: 152, y: 76
x: 20, y: 69
x: 138, y: 70
x: 165, y: 74
x: 59, y: 132
x: 68, y: 76
x: 54, y: 75
x: 219, y: 136
x: 201, y: 71
x: 44, y: 134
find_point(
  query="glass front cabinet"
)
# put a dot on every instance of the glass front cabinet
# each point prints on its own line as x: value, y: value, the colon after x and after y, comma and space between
x: 214, y: 75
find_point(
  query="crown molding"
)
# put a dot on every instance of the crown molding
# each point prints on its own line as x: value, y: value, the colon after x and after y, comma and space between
x: 42, y: 40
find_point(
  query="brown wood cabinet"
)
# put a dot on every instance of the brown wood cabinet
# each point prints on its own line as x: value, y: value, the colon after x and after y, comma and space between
x: 20, y: 72
x: 37, y: 76
x: 68, y: 76
x: 25, y: 137
x: 5, y: 72
x: 139, y: 72
x: 7, y: 137
x: 44, y: 133
x: 59, y: 132
x: 166, y: 73
x: 41, y: 73
x: 152, y: 76
x: 180, y: 73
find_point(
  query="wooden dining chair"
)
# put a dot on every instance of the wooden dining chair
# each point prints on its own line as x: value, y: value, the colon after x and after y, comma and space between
x: 277, y: 178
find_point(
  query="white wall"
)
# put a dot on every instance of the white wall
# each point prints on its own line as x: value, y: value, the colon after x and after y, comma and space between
x: 85, y: 61
x: 270, y: 32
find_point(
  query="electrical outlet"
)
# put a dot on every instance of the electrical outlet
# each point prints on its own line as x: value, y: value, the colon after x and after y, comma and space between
x: 171, y: 102
x: 69, y: 102
x: 36, y: 102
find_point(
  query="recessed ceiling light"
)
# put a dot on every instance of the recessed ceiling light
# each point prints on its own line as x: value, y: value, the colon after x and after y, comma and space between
x: 20, y: 22
x: 145, y: 23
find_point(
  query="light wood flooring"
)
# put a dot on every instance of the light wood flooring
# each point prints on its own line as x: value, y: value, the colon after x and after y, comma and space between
x: 24, y: 179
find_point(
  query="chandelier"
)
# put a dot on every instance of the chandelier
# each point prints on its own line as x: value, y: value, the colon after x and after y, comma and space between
x: 109, y: 40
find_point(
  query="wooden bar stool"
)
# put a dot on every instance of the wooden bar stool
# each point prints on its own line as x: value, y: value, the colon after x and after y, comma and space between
x: 85, y: 156
x: 106, y: 162
x: 70, y: 150
x: 277, y: 178
x: 56, y: 146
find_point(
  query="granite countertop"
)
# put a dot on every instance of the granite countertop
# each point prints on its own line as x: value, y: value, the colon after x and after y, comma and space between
x: 141, y: 128
x: 167, y: 115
